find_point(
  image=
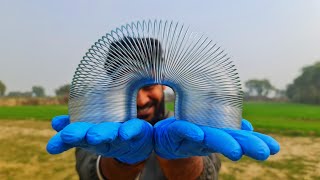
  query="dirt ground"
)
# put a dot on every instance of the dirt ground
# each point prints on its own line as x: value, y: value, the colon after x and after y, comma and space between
x: 298, y: 159
x: 23, y: 156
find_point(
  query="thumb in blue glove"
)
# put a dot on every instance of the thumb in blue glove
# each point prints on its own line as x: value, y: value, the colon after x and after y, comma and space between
x: 60, y: 122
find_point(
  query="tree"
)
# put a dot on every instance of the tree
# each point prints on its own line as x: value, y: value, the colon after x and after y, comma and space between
x: 19, y: 94
x: 279, y: 93
x: 258, y: 87
x: 306, y: 87
x: 38, y: 91
x: 2, y: 88
x: 63, y: 90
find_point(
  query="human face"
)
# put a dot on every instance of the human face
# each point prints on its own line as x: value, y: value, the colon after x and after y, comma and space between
x: 149, y: 99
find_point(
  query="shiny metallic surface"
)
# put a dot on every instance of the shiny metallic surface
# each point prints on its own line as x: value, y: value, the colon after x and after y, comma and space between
x: 204, y: 79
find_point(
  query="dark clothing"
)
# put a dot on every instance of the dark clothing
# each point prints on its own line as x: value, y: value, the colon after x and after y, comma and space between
x: 86, y: 165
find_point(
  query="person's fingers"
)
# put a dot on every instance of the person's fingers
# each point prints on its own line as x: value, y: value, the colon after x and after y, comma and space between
x: 272, y: 143
x: 56, y: 145
x: 163, y: 123
x: 246, y: 125
x: 191, y: 148
x: 75, y: 133
x: 59, y: 122
x: 180, y: 130
x: 251, y: 145
x: 102, y: 133
x: 134, y: 128
x: 217, y: 140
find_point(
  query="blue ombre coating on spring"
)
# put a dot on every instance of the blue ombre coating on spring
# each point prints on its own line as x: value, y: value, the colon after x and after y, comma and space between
x: 106, y: 82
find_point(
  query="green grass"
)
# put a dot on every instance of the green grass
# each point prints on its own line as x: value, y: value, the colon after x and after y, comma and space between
x: 32, y: 112
x: 24, y: 155
x: 284, y: 110
x: 280, y: 118
x: 283, y: 118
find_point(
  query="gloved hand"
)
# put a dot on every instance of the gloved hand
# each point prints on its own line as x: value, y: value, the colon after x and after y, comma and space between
x: 129, y: 142
x: 181, y: 139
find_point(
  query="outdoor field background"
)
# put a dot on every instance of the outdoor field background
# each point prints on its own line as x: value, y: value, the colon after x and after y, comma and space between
x: 25, y: 131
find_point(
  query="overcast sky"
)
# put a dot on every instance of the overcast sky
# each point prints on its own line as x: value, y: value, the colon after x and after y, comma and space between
x: 42, y: 42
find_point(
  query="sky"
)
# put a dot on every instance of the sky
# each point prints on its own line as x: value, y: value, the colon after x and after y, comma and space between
x: 42, y: 42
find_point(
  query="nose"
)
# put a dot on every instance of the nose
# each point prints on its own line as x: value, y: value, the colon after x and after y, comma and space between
x: 142, y: 98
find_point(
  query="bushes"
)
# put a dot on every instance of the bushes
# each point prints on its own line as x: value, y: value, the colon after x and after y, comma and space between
x: 21, y: 101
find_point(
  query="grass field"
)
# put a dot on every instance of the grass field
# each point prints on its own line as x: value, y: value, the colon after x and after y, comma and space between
x: 25, y: 131
x: 32, y: 112
x: 284, y: 118
x: 279, y: 118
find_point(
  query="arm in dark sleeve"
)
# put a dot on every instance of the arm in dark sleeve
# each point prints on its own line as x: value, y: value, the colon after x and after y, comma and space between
x: 86, y: 164
x: 211, y: 167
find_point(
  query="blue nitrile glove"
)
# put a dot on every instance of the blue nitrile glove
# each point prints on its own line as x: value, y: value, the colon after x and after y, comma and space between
x: 129, y: 142
x: 181, y: 139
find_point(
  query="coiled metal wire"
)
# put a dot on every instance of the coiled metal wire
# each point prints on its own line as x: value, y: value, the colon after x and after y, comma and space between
x: 204, y: 79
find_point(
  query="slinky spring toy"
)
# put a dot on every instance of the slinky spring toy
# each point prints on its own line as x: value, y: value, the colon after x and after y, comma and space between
x: 106, y: 82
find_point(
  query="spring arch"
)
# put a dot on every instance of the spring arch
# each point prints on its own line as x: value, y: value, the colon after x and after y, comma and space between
x: 204, y: 79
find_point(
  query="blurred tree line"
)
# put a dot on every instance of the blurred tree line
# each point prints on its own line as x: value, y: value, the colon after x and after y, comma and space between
x: 63, y: 90
x: 2, y: 88
x: 304, y: 89
x: 36, y: 91
x: 263, y: 89
x: 259, y: 88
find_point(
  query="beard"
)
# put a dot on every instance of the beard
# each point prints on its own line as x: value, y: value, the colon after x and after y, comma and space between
x: 159, y: 111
